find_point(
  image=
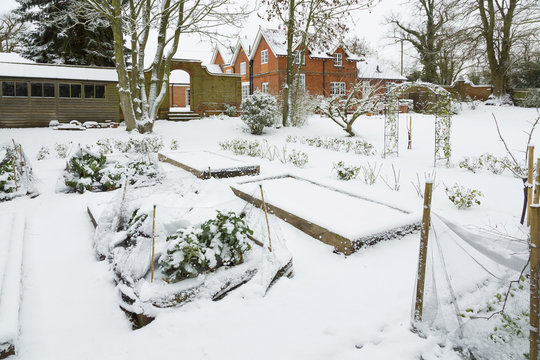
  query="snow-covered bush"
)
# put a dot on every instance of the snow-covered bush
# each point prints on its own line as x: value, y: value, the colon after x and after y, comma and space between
x: 84, y: 171
x: 62, y: 150
x: 141, y: 146
x: 174, y: 144
x: 259, y: 110
x: 470, y: 163
x: 218, y: 242
x: 346, y: 172
x: 463, y: 197
x: 532, y: 99
x: 298, y: 158
x: 43, y: 153
x: 337, y: 144
x: 8, y: 175
x: 242, y: 147
x: 230, y: 110
x: 303, y: 106
x: 370, y: 173
x: 486, y: 161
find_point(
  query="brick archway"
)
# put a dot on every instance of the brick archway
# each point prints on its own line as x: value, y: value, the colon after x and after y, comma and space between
x: 210, y: 92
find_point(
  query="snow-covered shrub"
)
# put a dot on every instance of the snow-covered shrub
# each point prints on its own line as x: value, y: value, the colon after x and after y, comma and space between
x: 470, y: 163
x: 303, y: 106
x: 8, y: 175
x: 532, y: 99
x: 62, y: 150
x: 174, y: 144
x: 463, y: 197
x: 242, y: 147
x: 230, y: 110
x: 486, y: 161
x: 338, y: 144
x: 84, y: 171
x: 105, y: 146
x: 141, y: 145
x: 346, y: 172
x: 298, y: 158
x: 370, y: 173
x: 218, y: 242
x: 291, y: 139
x: 43, y: 153
x: 259, y: 110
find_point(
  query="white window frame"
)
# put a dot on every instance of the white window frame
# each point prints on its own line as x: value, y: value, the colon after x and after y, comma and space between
x: 264, y: 87
x: 264, y: 56
x: 245, y: 89
x: 338, y: 88
x: 366, y: 89
x: 338, y: 59
x: 243, y: 68
x: 188, y: 97
x: 228, y: 71
x: 297, y: 58
x: 302, y: 81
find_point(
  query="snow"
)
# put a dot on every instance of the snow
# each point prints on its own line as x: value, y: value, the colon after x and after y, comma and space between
x: 202, y: 160
x: 372, y: 68
x: 335, y: 307
x: 59, y: 72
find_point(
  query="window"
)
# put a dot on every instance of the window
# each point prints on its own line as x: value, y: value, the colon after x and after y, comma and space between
x: 242, y: 68
x: 338, y: 59
x: 13, y: 88
x: 298, y: 56
x: 94, y: 91
x: 188, y: 96
x: 366, y: 89
x: 245, y: 90
x: 70, y: 90
x: 302, y: 82
x: 42, y: 90
x: 264, y: 56
x: 228, y: 71
x: 337, y: 88
x: 264, y: 87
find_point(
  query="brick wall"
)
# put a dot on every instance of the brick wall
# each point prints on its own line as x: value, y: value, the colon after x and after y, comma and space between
x: 462, y: 90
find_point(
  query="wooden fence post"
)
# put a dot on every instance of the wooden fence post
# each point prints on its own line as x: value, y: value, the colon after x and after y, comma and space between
x: 530, y: 159
x: 537, y: 183
x: 535, y: 242
x: 422, y: 258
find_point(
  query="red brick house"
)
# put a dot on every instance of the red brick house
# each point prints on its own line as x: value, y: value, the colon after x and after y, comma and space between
x: 374, y: 76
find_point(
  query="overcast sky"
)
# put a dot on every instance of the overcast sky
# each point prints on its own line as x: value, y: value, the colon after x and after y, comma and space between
x: 366, y: 24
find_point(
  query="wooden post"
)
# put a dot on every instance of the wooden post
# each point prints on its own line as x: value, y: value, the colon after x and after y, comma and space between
x: 15, y: 175
x: 422, y: 258
x: 209, y: 172
x: 125, y: 188
x: 530, y: 159
x: 535, y: 242
x: 409, y: 145
x: 153, y: 243
x: 537, y: 183
x: 266, y: 216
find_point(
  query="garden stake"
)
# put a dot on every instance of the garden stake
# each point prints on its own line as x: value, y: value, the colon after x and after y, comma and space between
x: 537, y: 183
x: 15, y: 175
x: 125, y: 188
x: 209, y: 172
x: 266, y: 216
x: 409, y: 146
x: 530, y: 158
x: 153, y: 228
x: 21, y: 157
x: 422, y: 258
x: 534, y: 299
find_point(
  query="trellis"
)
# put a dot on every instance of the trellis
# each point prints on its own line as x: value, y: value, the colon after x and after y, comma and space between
x: 443, y: 120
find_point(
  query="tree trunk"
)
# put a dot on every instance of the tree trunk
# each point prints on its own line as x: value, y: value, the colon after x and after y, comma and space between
x: 288, y: 86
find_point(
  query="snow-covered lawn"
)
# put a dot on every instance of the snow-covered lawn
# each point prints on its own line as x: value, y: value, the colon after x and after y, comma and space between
x: 335, y: 307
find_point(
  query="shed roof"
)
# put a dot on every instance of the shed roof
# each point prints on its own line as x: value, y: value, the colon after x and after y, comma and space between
x: 372, y: 68
x: 12, y: 65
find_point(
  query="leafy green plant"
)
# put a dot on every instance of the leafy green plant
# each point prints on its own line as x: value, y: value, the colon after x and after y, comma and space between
x: 62, y: 150
x: 298, y: 158
x: 217, y: 242
x: 84, y: 171
x: 462, y: 197
x: 43, y: 153
x: 346, y: 172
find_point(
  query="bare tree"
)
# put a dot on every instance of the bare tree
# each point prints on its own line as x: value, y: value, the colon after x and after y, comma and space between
x: 10, y: 31
x: 309, y: 23
x: 137, y: 21
x: 501, y: 25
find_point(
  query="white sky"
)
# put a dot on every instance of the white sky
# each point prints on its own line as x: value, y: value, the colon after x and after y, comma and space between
x: 366, y: 24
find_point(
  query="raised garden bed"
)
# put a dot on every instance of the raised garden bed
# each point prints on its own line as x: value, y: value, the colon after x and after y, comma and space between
x: 344, y: 220
x: 11, y: 257
x: 124, y: 238
x: 205, y: 164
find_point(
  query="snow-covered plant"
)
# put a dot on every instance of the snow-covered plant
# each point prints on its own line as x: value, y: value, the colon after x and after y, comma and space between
x: 470, y: 163
x: 84, y: 171
x: 492, y: 163
x: 345, y: 171
x: 43, y: 153
x: 230, y: 110
x: 105, y: 146
x: 357, y: 146
x: 218, y: 242
x: 174, y: 144
x: 242, y: 147
x: 393, y: 184
x: 463, y: 197
x: 140, y: 146
x: 291, y: 139
x: 258, y: 111
x: 370, y: 172
x: 344, y: 110
x: 62, y: 150
x: 532, y: 99
x: 303, y: 106
x: 298, y: 158
x: 8, y: 173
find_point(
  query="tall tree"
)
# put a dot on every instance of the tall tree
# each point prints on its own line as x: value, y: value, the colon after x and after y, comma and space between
x: 58, y: 35
x: 309, y: 23
x: 164, y: 21
x: 10, y: 32
x: 432, y: 35
x: 501, y: 25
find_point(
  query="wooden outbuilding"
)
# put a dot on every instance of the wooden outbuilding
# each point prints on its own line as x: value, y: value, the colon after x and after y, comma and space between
x: 32, y: 94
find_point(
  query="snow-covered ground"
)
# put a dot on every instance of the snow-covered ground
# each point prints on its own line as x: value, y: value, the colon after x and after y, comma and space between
x: 335, y: 307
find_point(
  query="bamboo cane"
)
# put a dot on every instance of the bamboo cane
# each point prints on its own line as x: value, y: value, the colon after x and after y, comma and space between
x: 266, y: 216
x: 530, y: 158
x: 534, y: 297
x: 82, y: 162
x: 125, y: 188
x: 209, y: 172
x: 537, y: 183
x: 422, y: 258
x: 153, y: 243
x: 15, y: 175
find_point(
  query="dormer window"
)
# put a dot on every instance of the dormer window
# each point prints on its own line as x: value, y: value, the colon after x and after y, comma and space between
x: 338, y: 59
x: 242, y: 68
x: 264, y: 56
x: 300, y: 55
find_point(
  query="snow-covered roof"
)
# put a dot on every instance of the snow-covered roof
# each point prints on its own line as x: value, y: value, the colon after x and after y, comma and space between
x: 243, y: 44
x: 371, y: 68
x: 225, y: 54
x: 12, y: 66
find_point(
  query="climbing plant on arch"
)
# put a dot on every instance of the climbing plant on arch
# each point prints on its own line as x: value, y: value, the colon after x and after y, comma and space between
x: 443, y: 119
